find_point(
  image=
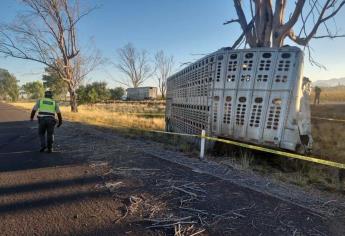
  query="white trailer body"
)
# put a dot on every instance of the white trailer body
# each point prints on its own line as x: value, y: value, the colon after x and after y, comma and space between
x: 251, y: 95
x: 142, y: 93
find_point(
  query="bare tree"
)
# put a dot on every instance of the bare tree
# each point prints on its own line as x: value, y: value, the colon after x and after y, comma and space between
x: 48, y: 34
x: 267, y: 25
x: 163, y: 69
x: 134, y: 64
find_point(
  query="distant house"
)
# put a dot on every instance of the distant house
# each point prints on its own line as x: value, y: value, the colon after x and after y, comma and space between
x: 142, y: 93
x: 23, y: 94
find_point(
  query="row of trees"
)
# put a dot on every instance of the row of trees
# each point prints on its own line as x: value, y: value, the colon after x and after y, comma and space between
x: 33, y: 90
x: 47, y: 32
x: 89, y: 93
x: 50, y: 80
x: 135, y: 64
x: 98, y: 92
x: 9, y: 88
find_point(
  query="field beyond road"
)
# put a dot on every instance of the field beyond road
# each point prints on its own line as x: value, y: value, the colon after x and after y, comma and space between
x: 98, y: 182
x: 129, y: 116
x: 136, y: 115
x: 133, y: 118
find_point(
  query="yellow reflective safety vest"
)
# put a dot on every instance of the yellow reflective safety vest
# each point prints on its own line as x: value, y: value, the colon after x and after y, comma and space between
x: 46, y: 107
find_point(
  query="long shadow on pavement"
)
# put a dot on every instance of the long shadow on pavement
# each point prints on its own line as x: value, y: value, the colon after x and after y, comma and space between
x: 19, y: 145
x: 47, y: 201
x: 44, y: 185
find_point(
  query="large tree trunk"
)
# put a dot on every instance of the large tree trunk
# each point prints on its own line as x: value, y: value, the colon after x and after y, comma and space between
x: 47, y: 33
x: 73, y: 100
x: 278, y: 40
x: 269, y: 27
x: 71, y: 85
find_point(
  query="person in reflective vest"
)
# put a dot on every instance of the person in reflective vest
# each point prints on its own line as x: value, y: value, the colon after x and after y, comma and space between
x: 317, y: 95
x: 46, y: 108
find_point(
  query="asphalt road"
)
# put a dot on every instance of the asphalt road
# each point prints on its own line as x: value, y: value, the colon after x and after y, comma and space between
x: 19, y: 143
x: 59, y: 193
x: 46, y: 194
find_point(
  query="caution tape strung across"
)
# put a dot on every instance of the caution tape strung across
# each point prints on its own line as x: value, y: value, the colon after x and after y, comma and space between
x: 263, y: 149
x: 328, y: 119
x: 281, y: 153
x: 250, y: 146
x: 245, y: 145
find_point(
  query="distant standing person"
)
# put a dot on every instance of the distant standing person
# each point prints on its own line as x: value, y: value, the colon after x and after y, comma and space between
x: 317, y: 95
x: 46, y: 108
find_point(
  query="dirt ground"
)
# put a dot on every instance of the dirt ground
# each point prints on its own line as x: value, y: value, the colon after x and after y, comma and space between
x: 336, y: 111
x: 329, y: 135
x: 98, y: 182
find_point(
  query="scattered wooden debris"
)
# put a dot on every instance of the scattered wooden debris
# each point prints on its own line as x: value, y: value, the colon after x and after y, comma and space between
x: 122, y: 217
x: 199, y: 232
x: 98, y: 164
x: 169, y: 222
x: 185, y: 191
x: 113, y: 186
x: 133, y: 169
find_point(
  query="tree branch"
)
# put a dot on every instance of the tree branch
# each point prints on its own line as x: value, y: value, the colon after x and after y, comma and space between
x: 239, y: 40
x: 294, y: 17
x: 329, y: 36
x: 231, y: 21
x: 243, y: 22
x: 321, y: 19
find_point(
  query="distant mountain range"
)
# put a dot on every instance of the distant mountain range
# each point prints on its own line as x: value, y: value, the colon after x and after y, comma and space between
x: 329, y: 82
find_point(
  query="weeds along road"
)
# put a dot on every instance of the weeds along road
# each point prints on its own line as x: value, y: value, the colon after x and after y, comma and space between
x: 102, y: 183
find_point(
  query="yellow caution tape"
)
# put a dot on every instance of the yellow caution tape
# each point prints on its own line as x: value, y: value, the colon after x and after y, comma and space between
x: 254, y: 147
x: 249, y: 146
x: 280, y: 153
x: 172, y: 133
x: 263, y: 149
x: 329, y: 119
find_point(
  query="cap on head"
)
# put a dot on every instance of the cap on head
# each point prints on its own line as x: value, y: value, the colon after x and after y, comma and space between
x: 48, y: 94
x: 306, y: 79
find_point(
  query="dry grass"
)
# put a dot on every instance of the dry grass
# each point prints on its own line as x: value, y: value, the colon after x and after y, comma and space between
x: 329, y: 136
x: 331, y: 94
x: 336, y: 111
x: 131, y: 115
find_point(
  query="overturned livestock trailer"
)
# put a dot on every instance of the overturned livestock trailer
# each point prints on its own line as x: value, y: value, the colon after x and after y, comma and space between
x: 254, y: 95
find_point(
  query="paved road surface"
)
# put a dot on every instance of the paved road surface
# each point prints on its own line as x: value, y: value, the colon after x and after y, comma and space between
x: 62, y: 194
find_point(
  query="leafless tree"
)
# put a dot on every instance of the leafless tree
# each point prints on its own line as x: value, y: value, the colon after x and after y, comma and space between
x: 134, y: 64
x: 47, y: 34
x: 267, y: 25
x: 163, y: 68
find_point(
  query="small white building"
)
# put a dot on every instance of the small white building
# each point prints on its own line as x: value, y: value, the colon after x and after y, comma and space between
x: 142, y: 93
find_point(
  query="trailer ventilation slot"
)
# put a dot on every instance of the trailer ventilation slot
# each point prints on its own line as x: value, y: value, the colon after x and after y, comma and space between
x: 274, y: 114
x: 227, y: 110
x: 241, y: 111
x: 256, y: 112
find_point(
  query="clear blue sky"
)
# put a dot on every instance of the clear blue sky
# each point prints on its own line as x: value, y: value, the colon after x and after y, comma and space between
x: 179, y: 27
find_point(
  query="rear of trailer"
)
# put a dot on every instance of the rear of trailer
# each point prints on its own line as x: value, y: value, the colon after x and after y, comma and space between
x: 254, y: 95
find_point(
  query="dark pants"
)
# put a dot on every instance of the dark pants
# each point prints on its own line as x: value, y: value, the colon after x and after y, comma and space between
x: 317, y: 99
x: 46, y: 125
